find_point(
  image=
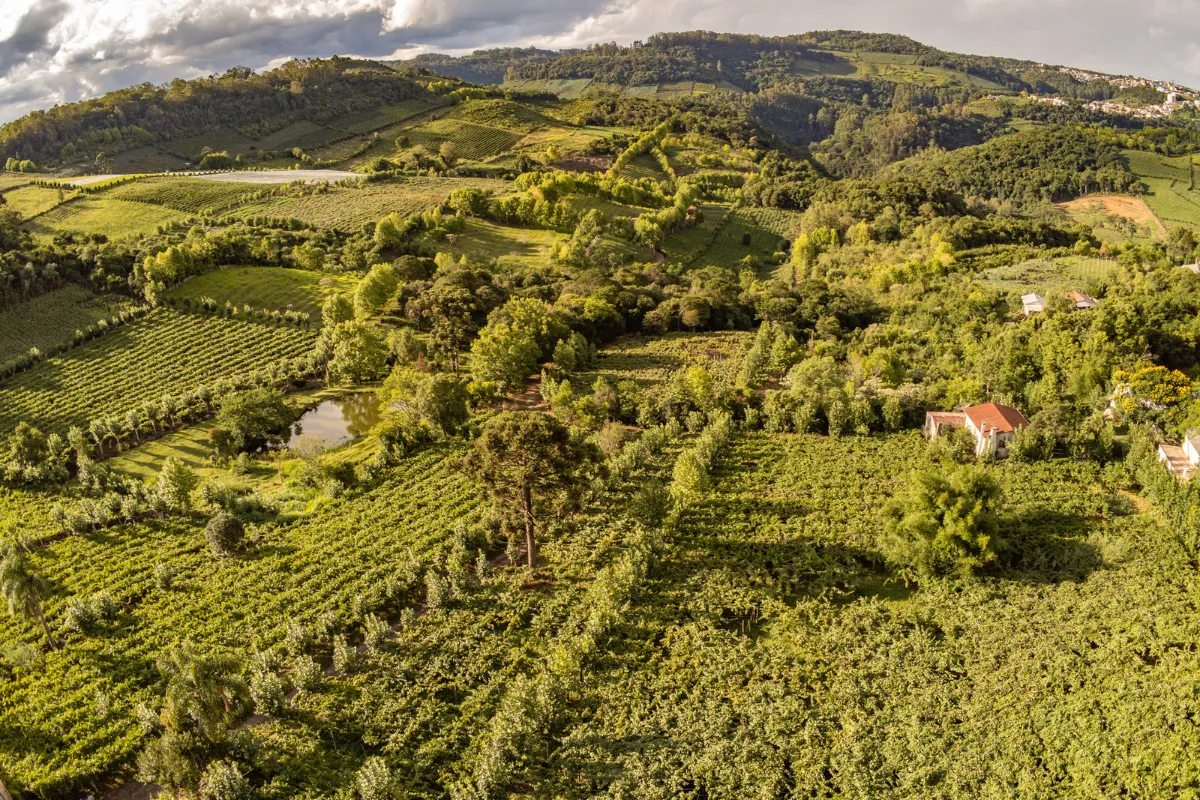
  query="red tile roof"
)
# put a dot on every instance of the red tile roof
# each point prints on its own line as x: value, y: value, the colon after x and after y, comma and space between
x: 953, y: 419
x: 991, y: 416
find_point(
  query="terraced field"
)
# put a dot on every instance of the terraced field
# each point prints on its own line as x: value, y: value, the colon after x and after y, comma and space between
x: 272, y: 288
x: 113, y: 218
x: 164, y: 353
x: 50, y: 320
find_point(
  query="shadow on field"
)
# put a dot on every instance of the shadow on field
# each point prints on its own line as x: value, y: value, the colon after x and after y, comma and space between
x: 1046, y: 546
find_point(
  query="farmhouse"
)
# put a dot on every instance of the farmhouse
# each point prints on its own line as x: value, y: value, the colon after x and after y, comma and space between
x: 1082, y: 301
x: 1180, y: 461
x: 992, y: 425
x: 1193, y: 267
x: 1033, y: 303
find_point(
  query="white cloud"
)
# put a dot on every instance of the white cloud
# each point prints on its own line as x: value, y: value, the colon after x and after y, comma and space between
x: 54, y: 51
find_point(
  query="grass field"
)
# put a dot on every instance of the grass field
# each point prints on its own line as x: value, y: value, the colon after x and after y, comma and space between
x: 50, y: 320
x: 219, y: 140
x: 530, y: 246
x: 29, y: 201
x: 113, y: 218
x: 504, y: 114
x: 267, y: 288
x: 163, y: 353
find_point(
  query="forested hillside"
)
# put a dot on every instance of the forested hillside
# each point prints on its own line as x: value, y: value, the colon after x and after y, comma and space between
x: 719, y: 416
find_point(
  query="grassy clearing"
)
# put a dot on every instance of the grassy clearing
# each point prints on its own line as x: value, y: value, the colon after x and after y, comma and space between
x: 29, y: 201
x: 303, y: 134
x: 1049, y: 277
x: 1171, y: 192
x: 692, y: 242
x: 268, y: 288
x: 383, y: 117
x: 163, y: 353
x: 529, y: 246
x: 146, y: 159
x: 50, y: 320
x: 113, y: 218
x: 189, y: 148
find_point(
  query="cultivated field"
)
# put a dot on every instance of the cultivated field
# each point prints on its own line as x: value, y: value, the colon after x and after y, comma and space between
x: 271, y: 288
x: 278, y: 176
x: 652, y: 360
x: 164, y: 353
x: 113, y: 218
x: 51, y: 320
x: 189, y: 195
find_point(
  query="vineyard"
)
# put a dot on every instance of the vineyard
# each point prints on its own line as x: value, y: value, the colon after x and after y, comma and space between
x: 502, y: 114
x: 349, y: 209
x: 336, y: 561
x: 165, y: 353
x: 116, y: 219
x: 51, y: 320
x: 189, y: 195
x: 486, y: 239
x: 383, y: 117
x: 471, y: 141
x: 271, y: 288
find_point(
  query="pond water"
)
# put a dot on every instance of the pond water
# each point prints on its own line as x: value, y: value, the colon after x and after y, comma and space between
x: 337, y: 421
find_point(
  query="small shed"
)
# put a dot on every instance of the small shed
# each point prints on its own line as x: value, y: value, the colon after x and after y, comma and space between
x: 1033, y: 303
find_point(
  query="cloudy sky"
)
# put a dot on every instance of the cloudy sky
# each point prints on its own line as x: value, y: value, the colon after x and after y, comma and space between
x: 57, y: 51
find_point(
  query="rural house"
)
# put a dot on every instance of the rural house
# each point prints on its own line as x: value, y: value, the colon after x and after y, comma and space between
x: 1180, y: 461
x: 992, y: 425
x: 1082, y: 301
x: 1033, y: 303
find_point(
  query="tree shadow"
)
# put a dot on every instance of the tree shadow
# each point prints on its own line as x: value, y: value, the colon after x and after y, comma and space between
x: 1046, y: 546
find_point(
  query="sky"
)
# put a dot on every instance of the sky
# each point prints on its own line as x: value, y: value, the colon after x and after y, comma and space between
x: 60, y: 51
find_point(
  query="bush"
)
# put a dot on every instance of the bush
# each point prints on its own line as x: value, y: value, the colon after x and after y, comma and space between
x: 225, y: 533
x: 223, y: 781
x: 374, y: 780
x: 267, y: 691
x: 943, y: 523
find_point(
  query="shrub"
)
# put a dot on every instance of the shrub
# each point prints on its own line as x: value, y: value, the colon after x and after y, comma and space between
x: 224, y: 533
x: 223, y: 781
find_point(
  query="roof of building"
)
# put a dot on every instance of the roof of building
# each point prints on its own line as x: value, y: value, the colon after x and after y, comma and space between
x: 1082, y: 300
x: 1175, y: 459
x: 1032, y: 298
x: 993, y: 416
x: 954, y: 419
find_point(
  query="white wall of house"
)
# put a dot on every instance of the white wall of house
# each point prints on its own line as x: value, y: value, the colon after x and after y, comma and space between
x: 1189, y: 450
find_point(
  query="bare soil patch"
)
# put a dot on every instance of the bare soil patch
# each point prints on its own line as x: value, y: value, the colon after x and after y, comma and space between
x: 1119, y: 205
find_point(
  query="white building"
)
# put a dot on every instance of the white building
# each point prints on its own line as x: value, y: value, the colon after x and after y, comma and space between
x: 992, y: 425
x: 1033, y: 303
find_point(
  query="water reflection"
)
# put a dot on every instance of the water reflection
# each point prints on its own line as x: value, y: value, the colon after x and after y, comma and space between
x: 337, y: 421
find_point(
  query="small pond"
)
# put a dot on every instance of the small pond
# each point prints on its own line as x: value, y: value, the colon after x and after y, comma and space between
x: 339, y: 420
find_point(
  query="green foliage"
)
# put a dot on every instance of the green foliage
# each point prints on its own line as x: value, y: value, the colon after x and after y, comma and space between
x: 224, y: 533
x: 943, y: 523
